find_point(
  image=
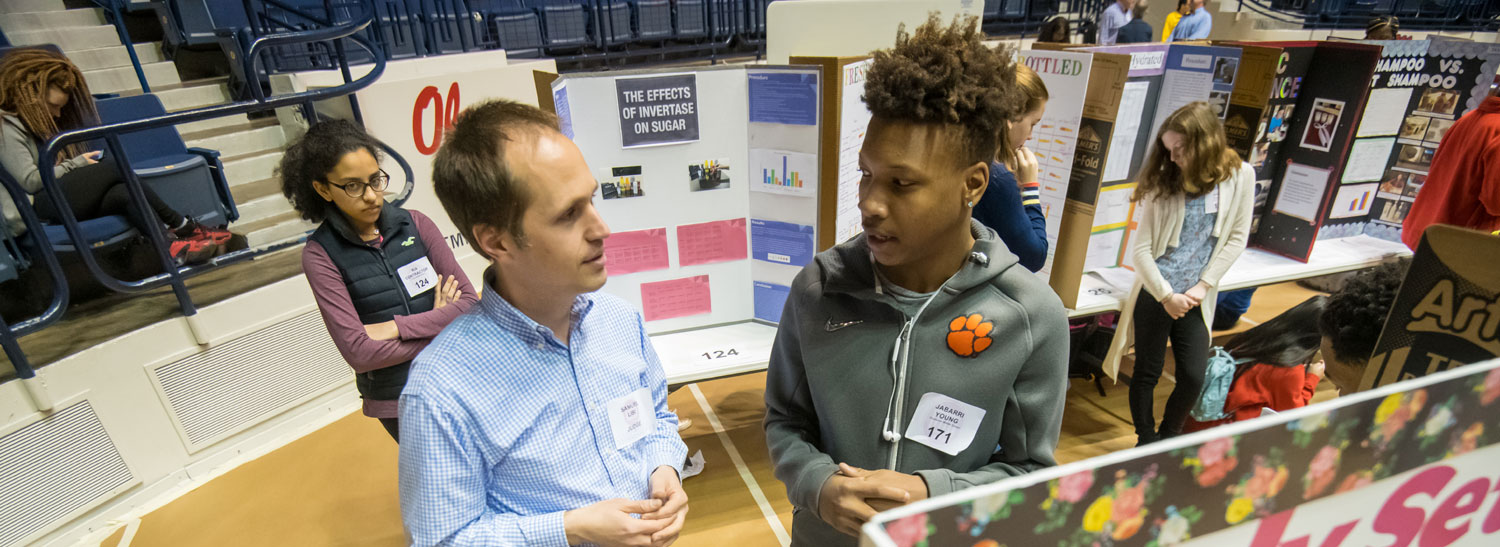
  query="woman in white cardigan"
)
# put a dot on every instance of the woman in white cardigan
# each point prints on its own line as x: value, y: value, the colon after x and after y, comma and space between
x: 1196, y: 197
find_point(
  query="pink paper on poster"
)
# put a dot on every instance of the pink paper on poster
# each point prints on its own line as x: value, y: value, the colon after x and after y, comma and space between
x: 710, y: 242
x: 638, y: 251
x: 676, y: 298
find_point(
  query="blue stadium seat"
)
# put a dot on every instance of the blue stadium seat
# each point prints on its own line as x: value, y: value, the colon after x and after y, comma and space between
x: 653, y: 19
x: 98, y: 232
x: 992, y: 8
x: 690, y: 18
x: 509, y: 25
x: 190, y: 180
x: 726, y: 18
x: 613, y: 22
x: 12, y: 261
x: 447, y: 25
x: 565, y: 23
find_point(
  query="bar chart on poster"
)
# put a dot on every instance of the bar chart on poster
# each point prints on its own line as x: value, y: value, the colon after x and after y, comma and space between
x: 783, y: 172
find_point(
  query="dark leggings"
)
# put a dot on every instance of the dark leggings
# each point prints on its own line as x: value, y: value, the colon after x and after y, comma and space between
x: 1190, y: 347
x: 392, y: 426
x: 97, y: 190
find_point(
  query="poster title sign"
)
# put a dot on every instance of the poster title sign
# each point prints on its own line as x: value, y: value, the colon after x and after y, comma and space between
x: 1051, y: 65
x: 1414, y: 72
x: 657, y: 110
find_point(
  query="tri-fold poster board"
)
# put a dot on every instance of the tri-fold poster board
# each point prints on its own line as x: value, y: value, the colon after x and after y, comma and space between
x: 709, y: 181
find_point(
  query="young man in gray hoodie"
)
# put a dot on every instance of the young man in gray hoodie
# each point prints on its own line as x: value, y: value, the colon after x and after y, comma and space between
x: 918, y: 358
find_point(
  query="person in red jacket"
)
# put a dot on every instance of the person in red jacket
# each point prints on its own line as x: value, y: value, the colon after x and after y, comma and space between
x: 1278, y: 371
x: 1463, y: 187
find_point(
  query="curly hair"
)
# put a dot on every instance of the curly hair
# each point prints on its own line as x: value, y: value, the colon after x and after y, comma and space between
x: 25, y: 76
x: 311, y: 158
x: 1210, y: 158
x: 1355, y: 315
x: 946, y: 75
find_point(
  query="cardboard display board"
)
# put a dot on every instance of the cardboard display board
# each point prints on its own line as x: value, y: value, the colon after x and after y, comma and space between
x: 1115, y: 213
x: 1448, y: 310
x: 1381, y: 467
x: 843, y: 131
x: 1420, y: 88
x: 708, y: 180
x: 1071, y: 144
x: 1316, y: 146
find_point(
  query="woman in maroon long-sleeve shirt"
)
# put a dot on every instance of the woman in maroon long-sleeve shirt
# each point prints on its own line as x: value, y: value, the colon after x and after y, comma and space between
x: 384, y: 278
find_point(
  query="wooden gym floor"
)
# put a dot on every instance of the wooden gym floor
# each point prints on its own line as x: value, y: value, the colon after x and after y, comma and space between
x: 337, y: 486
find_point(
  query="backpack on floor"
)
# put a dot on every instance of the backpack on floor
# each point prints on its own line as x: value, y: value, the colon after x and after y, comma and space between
x: 1216, y: 381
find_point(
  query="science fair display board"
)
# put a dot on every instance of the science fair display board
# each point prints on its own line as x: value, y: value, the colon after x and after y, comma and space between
x: 1071, y: 143
x: 1420, y: 88
x: 1447, y: 312
x: 1406, y: 464
x: 843, y: 134
x: 709, y: 181
x: 1312, y: 157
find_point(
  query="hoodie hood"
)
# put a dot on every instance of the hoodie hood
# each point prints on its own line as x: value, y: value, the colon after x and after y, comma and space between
x: 847, y: 268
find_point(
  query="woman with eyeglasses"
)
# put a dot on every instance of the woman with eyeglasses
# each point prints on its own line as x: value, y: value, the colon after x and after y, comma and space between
x: 384, y: 278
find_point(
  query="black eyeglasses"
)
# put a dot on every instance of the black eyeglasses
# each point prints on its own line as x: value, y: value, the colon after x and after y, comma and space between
x: 378, y: 182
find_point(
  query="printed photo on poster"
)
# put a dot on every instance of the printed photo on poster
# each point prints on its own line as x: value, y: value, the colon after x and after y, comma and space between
x: 1414, y: 127
x: 1436, y: 129
x: 1395, y: 182
x: 1438, y: 101
x: 1324, y: 124
x: 1278, y: 121
x: 1414, y: 157
x: 708, y: 175
x: 1258, y: 154
x: 1224, y: 70
x: 1219, y: 102
x: 1414, y: 182
x: 624, y: 182
x: 1394, y: 210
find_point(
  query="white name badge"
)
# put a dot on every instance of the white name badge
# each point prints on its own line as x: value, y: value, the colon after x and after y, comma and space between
x: 1211, y: 202
x: 632, y: 417
x: 944, y: 423
x: 418, y: 276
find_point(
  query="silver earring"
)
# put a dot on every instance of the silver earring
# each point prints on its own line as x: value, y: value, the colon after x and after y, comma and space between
x: 971, y: 205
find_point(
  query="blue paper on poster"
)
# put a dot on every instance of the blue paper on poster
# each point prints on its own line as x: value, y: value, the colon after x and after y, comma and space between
x: 769, y: 299
x: 564, y: 111
x: 781, y: 242
x: 788, y: 98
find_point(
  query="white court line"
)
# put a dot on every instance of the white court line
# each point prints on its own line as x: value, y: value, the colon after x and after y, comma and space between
x: 739, y: 464
x: 129, y: 535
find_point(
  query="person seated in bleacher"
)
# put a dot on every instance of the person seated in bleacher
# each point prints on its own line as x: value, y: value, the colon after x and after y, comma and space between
x: 1055, y: 31
x: 384, y: 279
x: 1352, y: 321
x: 1012, y: 204
x: 1276, y: 366
x: 43, y: 94
x: 540, y: 417
x: 1384, y: 27
x: 918, y: 358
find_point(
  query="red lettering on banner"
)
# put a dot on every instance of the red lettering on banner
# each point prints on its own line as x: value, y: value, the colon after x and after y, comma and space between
x: 429, y: 94
x: 1492, y: 524
x: 1404, y: 521
x: 1463, y: 502
x: 443, y: 115
x: 1270, y: 530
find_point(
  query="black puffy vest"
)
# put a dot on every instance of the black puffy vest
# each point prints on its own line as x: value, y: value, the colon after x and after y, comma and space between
x: 377, y: 292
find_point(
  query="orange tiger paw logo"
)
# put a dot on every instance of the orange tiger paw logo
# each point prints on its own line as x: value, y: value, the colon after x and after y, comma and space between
x: 968, y: 336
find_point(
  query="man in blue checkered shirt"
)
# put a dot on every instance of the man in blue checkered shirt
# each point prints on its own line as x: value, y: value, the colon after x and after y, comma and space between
x: 540, y: 416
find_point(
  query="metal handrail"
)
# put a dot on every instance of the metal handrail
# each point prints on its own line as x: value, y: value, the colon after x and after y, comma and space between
x: 119, y: 21
x: 174, y: 275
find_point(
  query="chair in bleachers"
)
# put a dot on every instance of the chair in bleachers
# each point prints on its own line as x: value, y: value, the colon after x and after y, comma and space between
x: 447, y: 25
x: 690, y: 18
x: 99, y: 233
x: 509, y: 25
x: 565, y: 23
x: 12, y: 261
x: 653, y: 19
x: 612, y: 22
x: 191, y: 180
x: 726, y: 18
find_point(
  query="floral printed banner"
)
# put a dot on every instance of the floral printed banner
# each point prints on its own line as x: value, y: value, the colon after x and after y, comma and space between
x: 1190, y: 487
